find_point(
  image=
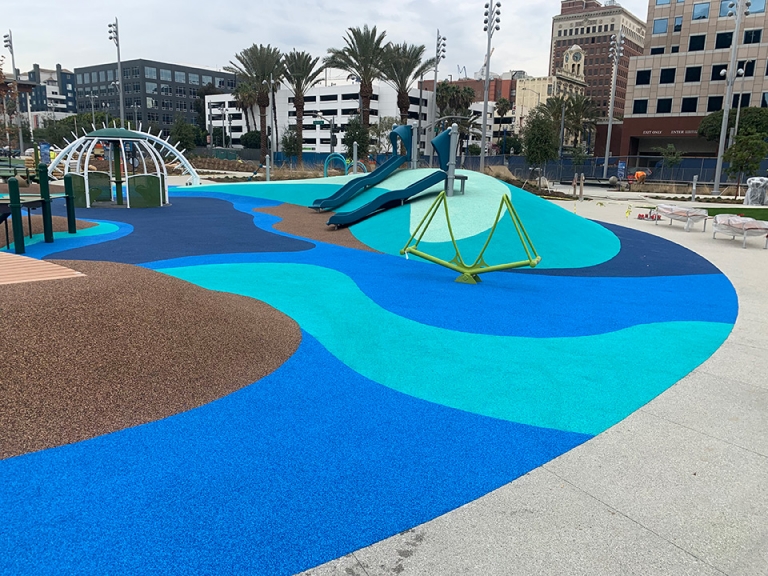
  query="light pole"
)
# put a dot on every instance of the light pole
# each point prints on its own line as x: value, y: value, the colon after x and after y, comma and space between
x: 114, y: 35
x: 439, y: 55
x: 735, y: 129
x: 272, y: 123
x: 734, y: 9
x: 538, y: 102
x: 93, y: 113
x: 8, y: 41
x: 492, y: 22
x: 614, y: 54
x: 330, y: 121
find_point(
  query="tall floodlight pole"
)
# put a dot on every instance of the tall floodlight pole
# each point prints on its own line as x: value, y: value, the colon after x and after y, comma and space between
x: 492, y: 21
x: 614, y: 54
x: 8, y: 41
x: 737, y: 8
x: 114, y: 35
x: 439, y: 55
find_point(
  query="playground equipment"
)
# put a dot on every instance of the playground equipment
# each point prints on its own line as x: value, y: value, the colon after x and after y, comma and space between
x: 131, y: 150
x: 444, y: 144
x: 470, y: 273
x: 346, y: 165
x: 358, y: 185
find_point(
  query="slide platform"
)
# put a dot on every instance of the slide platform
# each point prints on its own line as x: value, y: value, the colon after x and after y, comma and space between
x: 387, y: 200
x: 358, y: 185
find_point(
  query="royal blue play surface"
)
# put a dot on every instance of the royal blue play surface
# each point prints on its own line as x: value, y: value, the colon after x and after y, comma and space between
x: 409, y: 395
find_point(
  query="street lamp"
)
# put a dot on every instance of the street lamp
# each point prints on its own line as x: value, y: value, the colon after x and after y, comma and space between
x: 492, y: 22
x: 114, y: 35
x: 734, y: 9
x: 93, y: 113
x: 272, y: 121
x: 614, y: 54
x: 8, y: 42
x: 439, y: 55
x: 329, y: 120
x: 735, y: 130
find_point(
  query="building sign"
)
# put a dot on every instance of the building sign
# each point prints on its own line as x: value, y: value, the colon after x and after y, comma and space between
x: 668, y: 132
x: 622, y: 169
x: 45, y: 153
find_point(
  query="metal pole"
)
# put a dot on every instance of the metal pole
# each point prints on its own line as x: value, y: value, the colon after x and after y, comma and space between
x: 93, y: 114
x: 69, y: 191
x: 452, y: 160
x: 9, y: 44
x: 272, y: 122
x: 45, y: 194
x: 617, y: 53
x: 491, y: 24
x: 354, y: 157
x: 738, y: 108
x: 29, y: 117
x: 17, y: 221
x: 421, y: 92
x: 332, y: 146
x: 439, y: 55
x: 729, y: 79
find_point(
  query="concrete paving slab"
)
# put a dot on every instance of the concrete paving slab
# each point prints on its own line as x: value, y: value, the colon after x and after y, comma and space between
x: 738, y: 361
x: 723, y: 408
x: 705, y: 495
x: 537, y: 525
x: 344, y: 566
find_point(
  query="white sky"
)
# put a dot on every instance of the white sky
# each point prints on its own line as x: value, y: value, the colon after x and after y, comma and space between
x: 73, y: 33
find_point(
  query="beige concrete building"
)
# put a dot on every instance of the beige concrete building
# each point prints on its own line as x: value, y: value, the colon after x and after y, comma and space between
x: 590, y: 24
x: 567, y: 79
x: 677, y: 81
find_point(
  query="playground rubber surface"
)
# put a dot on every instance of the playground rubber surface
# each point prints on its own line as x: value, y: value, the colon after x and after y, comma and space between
x: 408, y: 396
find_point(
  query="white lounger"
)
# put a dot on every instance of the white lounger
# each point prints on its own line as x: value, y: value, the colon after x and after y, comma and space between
x: 688, y: 215
x: 740, y: 226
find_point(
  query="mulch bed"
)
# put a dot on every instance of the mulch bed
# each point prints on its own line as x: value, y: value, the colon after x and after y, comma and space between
x: 123, y: 346
x: 59, y: 225
x: 301, y: 221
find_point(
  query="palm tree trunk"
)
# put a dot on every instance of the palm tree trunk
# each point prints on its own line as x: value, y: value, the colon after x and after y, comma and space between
x: 275, y: 139
x: 247, y: 121
x: 366, y: 91
x: 298, y: 103
x: 263, y: 118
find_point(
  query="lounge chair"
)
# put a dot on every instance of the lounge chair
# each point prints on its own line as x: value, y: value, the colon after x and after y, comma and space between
x: 688, y: 215
x: 740, y: 226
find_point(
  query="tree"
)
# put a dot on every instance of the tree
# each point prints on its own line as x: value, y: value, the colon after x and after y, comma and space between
x: 184, y: 133
x: 540, y: 138
x: 581, y: 114
x: 251, y: 140
x: 380, y: 134
x: 745, y: 155
x: 301, y: 73
x: 55, y: 131
x: 357, y: 132
x: 751, y: 121
x: 473, y: 150
x: 362, y: 56
x: 199, y: 104
x: 670, y: 156
x: 245, y: 100
x: 502, y: 107
x: 403, y: 64
x: 256, y: 65
x: 510, y: 144
x: 291, y: 143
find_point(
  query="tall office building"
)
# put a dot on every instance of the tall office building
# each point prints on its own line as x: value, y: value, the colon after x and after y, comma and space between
x: 677, y: 81
x: 590, y: 25
x: 154, y: 92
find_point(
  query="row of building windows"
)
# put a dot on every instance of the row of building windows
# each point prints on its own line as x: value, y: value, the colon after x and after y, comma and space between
x: 691, y: 104
x: 693, y: 73
x: 698, y: 42
x: 701, y: 12
x: 581, y: 31
x: 152, y: 74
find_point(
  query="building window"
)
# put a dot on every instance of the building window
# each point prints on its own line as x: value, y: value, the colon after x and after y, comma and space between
x: 165, y: 90
x: 640, y: 107
x: 748, y: 66
x: 193, y: 92
x: 717, y: 70
x: 643, y: 77
x: 662, y: 2
x: 700, y: 11
x: 689, y: 105
x: 667, y: 76
x: 194, y: 79
x: 180, y: 77
x: 745, y: 99
x: 181, y: 92
x: 150, y: 72
x: 79, y: 78
x: 231, y: 83
x: 752, y: 36
x: 165, y: 75
x: 151, y: 103
x: 714, y: 103
x: 693, y: 74
x: 559, y: 32
x: 663, y: 105
x: 697, y: 42
x: 757, y: 7
x: 219, y: 83
x: 110, y: 75
x: 94, y: 77
x: 764, y: 100
x: 102, y: 76
x: 135, y: 71
x: 657, y: 50
x: 151, y: 88
x: 723, y: 40
x: 660, y: 25
x: 207, y: 80
x: 674, y: 49
x: 126, y: 72
x: 724, y: 8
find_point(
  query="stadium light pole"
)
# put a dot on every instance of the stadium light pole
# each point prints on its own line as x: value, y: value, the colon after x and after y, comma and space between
x: 439, y: 55
x: 734, y: 9
x: 114, y: 35
x: 8, y: 42
x: 614, y: 54
x: 492, y: 23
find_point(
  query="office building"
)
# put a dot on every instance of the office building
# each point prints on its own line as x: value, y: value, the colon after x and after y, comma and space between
x: 154, y: 92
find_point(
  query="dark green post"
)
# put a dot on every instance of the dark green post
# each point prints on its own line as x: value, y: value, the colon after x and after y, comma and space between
x: 16, y: 220
x: 118, y: 176
x: 45, y: 194
x: 69, y: 191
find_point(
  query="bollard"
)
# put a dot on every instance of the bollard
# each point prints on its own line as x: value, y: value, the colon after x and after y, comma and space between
x: 269, y: 171
x: 693, y: 188
x: 354, y: 157
x: 16, y: 220
x: 581, y: 188
x: 45, y: 194
x: 575, y: 179
x: 69, y: 191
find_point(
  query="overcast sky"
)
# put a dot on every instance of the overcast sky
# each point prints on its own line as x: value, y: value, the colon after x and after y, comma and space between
x: 73, y: 33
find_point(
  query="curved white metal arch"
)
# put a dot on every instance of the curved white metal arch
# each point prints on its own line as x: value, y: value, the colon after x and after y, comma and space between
x: 179, y: 156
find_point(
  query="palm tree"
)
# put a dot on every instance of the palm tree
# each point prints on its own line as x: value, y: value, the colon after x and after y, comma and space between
x: 581, y: 116
x: 362, y: 56
x: 245, y: 99
x: 256, y: 65
x: 301, y: 73
x: 502, y: 107
x: 403, y: 65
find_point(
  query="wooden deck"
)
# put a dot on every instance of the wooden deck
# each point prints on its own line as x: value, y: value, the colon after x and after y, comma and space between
x: 15, y: 269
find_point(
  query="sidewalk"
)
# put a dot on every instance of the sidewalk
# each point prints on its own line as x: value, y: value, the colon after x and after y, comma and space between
x: 680, y: 487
